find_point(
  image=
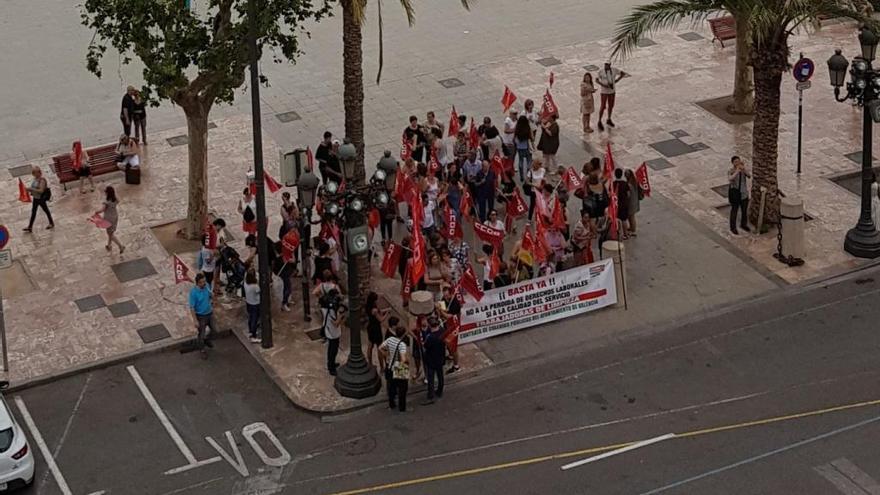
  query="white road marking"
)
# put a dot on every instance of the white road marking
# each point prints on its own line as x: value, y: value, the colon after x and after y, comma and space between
x: 47, y: 455
x: 79, y: 400
x: 843, y: 484
x: 194, y: 465
x: 860, y: 477
x: 237, y: 463
x: 249, y: 431
x: 172, y: 432
x: 637, y: 445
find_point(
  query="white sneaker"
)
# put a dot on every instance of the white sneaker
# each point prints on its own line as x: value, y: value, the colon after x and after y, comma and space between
x: 285, y: 307
x: 256, y: 340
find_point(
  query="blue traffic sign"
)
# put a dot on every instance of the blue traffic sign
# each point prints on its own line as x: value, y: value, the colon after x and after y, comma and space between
x: 803, y: 69
x: 4, y: 236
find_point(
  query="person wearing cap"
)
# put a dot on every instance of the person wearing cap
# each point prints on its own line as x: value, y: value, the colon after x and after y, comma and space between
x: 509, y: 129
x: 434, y: 356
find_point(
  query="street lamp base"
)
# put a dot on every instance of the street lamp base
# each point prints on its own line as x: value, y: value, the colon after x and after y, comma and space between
x: 862, y: 243
x: 357, y: 379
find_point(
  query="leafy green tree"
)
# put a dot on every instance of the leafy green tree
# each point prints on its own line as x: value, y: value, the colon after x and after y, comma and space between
x: 194, y: 60
x: 770, y: 23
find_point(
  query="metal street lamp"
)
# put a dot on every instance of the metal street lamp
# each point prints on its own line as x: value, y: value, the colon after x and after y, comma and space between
x: 307, y: 184
x: 863, y: 240
x: 356, y: 378
x: 388, y: 164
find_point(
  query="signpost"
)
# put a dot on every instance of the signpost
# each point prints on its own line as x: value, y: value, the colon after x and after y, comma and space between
x: 5, y: 262
x: 803, y: 71
x: 4, y: 236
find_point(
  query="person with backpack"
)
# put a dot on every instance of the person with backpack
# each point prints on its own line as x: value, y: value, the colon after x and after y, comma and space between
x: 41, y: 195
x: 396, y: 357
x: 324, y: 289
x: 247, y: 206
x: 332, y: 311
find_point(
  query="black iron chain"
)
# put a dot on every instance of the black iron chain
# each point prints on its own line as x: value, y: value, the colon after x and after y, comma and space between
x: 788, y: 260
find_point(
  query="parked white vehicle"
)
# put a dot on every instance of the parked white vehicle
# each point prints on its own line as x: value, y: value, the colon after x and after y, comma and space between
x: 16, y: 457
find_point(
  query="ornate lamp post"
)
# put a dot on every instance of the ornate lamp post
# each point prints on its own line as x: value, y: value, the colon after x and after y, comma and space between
x: 357, y: 378
x: 388, y: 165
x: 307, y: 184
x: 863, y: 240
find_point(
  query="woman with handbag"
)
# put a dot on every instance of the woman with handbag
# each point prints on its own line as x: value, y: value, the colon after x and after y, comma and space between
x: 738, y: 193
x: 397, y: 364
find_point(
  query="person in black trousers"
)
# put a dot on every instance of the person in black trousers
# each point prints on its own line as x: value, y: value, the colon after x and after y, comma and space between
x: 738, y: 194
x: 394, y: 350
x: 434, y: 357
x: 126, y: 113
x: 40, y: 195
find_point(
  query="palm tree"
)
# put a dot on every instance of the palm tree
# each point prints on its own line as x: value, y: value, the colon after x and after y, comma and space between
x: 669, y: 13
x: 770, y: 23
x: 353, y: 18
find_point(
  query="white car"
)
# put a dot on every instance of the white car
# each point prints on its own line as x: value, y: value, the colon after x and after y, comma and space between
x: 16, y: 458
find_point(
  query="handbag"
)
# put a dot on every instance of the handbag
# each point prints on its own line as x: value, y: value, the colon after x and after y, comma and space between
x: 399, y: 368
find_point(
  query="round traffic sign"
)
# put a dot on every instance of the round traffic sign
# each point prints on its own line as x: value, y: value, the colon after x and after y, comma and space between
x: 4, y: 236
x: 803, y: 69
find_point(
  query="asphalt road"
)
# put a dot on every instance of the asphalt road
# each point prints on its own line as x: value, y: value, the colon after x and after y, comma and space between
x: 780, y: 396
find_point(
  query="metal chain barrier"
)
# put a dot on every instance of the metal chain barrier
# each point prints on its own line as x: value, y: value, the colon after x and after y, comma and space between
x: 788, y: 260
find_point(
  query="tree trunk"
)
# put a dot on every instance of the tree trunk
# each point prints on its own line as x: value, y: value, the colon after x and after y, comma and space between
x: 197, y: 131
x: 743, y: 97
x: 769, y: 66
x: 353, y: 84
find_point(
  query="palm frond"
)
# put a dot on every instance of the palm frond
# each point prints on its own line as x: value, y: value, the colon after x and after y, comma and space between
x: 359, y: 10
x: 772, y: 21
x: 410, y: 11
x: 657, y: 16
x: 381, y: 44
x: 466, y: 4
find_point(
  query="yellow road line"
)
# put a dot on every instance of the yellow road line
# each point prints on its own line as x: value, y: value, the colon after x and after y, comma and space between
x: 594, y: 450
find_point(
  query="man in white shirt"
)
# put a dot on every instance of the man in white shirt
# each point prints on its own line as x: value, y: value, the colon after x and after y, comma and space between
x: 509, y: 128
x: 607, y: 79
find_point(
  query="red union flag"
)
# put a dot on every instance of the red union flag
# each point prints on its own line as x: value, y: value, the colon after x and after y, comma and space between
x: 558, y: 220
x: 552, y: 79
x: 433, y: 163
x: 469, y: 282
x: 528, y: 241
x: 405, y: 148
x: 181, y: 271
x: 289, y: 243
x: 453, y: 123
x: 507, y: 99
x: 419, y: 254
x: 23, y: 195
x: 310, y: 158
x: 406, y: 284
x: 497, y: 164
x: 612, y: 213
x: 210, y: 236
x: 542, y: 248
x: 271, y: 183
x: 473, y: 135
x: 453, y: 226
x: 451, y: 337
x: 572, y: 179
x: 466, y: 204
x: 642, y: 178
x: 391, y: 259
x: 517, y: 206
x: 486, y: 233
x: 549, y: 107
x: 609, y: 162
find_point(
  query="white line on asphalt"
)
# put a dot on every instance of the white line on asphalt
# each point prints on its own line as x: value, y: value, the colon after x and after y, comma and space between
x: 637, y: 445
x: 172, y: 432
x: 47, y: 455
x: 859, y: 477
x: 194, y: 465
x: 843, y: 484
x: 79, y: 400
x: 764, y: 455
x: 191, y: 487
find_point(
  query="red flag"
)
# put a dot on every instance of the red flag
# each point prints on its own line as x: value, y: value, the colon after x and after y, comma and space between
x: 416, y: 211
x: 451, y: 336
x: 549, y: 107
x: 310, y: 159
x: 407, y: 283
x: 558, y: 220
x: 473, y: 135
x: 469, y: 282
x: 508, y: 164
x: 253, y: 187
x: 517, y: 205
x: 210, y: 236
x: 609, y: 163
x: 329, y: 230
x: 452, y: 230
x: 542, y: 248
x: 508, y: 221
x: 466, y: 204
x: 642, y: 179
x: 373, y: 219
x: 289, y: 243
x: 433, y: 163
x: 507, y: 99
x: 181, y: 271
x: 494, y: 265
x: 406, y: 148
x: 400, y: 185
x: 23, y: 195
x: 528, y: 241
x: 77, y: 155
x: 541, y: 204
x: 552, y: 79
x: 453, y: 123
x: 497, y: 164
x: 391, y: 259
x: 492, y: 236
x: 612, y: 213
x: 99, y: 221
x: 271, y: 183
x: 419, y: 255
x: 572, y: 179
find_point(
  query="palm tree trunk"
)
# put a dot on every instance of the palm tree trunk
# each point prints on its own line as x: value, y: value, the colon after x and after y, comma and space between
x: 769, y: 65
x: 743, y: 99
x: 197, y: 129
x: 353, y: 83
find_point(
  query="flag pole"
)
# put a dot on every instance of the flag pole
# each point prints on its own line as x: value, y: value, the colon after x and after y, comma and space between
x: 622, y: 271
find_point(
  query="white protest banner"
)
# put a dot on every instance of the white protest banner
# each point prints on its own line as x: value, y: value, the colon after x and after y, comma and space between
x: 541, y: 300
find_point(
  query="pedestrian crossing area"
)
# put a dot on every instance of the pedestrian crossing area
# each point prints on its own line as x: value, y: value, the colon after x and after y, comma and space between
x: 848, y: 478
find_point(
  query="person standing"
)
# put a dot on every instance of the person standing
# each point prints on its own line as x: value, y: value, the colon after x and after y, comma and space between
x: 608, y: 79
x: 484, y: 184
x: 322, y: 155
x: 200, y: 303
x: 530, y: 113
x: 375, y: 317
x: 523, y: 141
x: 534, y: 183
x: 738, y: 193
x: 332, y: 317
x: 139, y: 117
x: 415, y: 135
x: 252, y: 303
x: 126, y: 113
x: 206, y: 261
x: 582, y: 239
x: 434, y: 357
x: 247, y: 207
x: 548, y: 144
x: 635, y: 200
x: 509, y: 129
x: 622, y: 190
x: 40, y: 196
x: 111, y: 215
x: 397, y: 362
x: 588, y: 105
x: 82, y: 166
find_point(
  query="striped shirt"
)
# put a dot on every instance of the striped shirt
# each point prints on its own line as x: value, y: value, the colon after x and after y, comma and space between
x: 391, y: 347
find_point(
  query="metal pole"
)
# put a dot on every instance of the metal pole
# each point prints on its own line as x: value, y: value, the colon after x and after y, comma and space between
x: 863, y: 240
x: 305, y: 245
x: 800, y: 127
x: 3, y: 335
x: 262, y: 241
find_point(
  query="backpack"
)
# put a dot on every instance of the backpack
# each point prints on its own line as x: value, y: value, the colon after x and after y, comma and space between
x: 249, y: 214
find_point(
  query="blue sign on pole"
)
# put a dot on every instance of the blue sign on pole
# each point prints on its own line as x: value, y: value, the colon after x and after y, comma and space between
x: 4, y: 236
x: 803, y: 69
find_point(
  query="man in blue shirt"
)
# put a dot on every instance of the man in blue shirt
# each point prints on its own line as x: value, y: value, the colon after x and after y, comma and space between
x: 200, y: 303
